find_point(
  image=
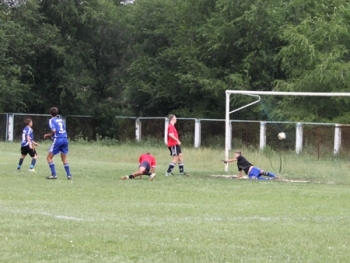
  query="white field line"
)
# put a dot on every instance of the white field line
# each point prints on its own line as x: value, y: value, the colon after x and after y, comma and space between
x: 246, y: 177
x: 41, y: 213
x: 146, y: 221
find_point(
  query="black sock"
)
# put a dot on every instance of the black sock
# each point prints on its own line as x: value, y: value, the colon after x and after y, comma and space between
x: 131, y: 176
x: 181, y: 167
x: 171, y: 167
x: 20, y: 161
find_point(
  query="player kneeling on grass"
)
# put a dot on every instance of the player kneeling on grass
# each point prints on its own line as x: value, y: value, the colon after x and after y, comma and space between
x: 147, y: 166
x: 252, y: 171
x: 27, y: 145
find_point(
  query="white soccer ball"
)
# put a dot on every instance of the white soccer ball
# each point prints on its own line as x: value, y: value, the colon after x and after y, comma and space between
x: 281, y: 136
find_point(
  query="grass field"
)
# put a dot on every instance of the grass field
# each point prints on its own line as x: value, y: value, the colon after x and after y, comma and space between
x: 98, y: 218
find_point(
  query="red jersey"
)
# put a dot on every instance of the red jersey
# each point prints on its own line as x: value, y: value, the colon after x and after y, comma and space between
x: 147, y: 158
x: 172, y: 130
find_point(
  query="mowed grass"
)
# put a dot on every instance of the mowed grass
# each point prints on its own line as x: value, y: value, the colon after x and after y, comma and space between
x: 98, y: 218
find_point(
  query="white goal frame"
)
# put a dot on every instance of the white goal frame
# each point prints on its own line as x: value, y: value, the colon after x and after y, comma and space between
x: 257, y: 94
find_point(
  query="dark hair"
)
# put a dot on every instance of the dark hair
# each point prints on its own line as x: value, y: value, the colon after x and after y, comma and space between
x: 54, y: 111
x: 239, y: 152
x: 27, y: 121
x: 171, y: 116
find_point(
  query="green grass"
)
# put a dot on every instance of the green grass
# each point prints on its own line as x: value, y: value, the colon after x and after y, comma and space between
x: 98, y: 218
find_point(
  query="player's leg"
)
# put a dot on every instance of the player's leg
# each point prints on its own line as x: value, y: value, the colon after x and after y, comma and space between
x: 24, y: 152
x: 269, y: 174
x: 64, y: 152
x: 174, y: 154
x: 181, y: 162
x: 147, y: 171
x: 33, y: 154
x: 52, y: 152
x: 139, y: 172
x: 51, y: 164
x: 254, y: 173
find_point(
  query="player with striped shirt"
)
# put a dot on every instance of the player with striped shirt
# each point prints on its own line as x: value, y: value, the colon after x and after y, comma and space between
x: 27, y: 145
x: 59, y: 144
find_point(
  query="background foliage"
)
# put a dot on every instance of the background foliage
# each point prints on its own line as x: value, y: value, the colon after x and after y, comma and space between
x: 153, y: 57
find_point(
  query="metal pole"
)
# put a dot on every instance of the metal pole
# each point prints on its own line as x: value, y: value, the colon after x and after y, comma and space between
x: 299, y: 138
x: 197, y: 133
x: 166, y: 124
x: 337, y: 138
x: 262, y: 135
x: 227, y: 129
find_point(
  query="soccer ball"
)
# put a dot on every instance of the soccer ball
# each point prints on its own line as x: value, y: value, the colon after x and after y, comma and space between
x: 281, y: 136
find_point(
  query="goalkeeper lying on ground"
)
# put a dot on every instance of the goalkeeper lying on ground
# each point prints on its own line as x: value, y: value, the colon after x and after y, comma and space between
x: 252, y: 171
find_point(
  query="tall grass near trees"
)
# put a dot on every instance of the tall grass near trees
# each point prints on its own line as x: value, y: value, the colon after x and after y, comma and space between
x: 98, y: 218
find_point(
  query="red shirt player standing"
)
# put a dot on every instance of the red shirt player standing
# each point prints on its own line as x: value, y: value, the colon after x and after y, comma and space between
x: 174, y: 148
x: 147, y: 166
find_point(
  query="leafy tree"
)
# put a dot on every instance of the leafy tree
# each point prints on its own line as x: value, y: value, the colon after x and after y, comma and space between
x: 315, y: 58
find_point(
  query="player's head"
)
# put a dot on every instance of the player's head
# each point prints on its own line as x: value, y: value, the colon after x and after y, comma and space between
x: 28, y: 122
x: 172, y: 118
x: 54, y: 111
x: 238, y: 153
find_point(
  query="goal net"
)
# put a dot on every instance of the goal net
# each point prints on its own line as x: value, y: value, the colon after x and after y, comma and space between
x: 320, y: 119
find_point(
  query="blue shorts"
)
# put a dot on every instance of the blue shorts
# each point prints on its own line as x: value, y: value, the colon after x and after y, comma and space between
x: 254, y: 173
x: 146, y: 165
x: 59, y: 145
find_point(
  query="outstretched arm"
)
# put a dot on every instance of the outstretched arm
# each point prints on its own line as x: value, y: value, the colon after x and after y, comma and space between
x: 230, y: 160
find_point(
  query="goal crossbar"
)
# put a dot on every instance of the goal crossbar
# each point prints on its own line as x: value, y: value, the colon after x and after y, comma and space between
x: 228, y: 134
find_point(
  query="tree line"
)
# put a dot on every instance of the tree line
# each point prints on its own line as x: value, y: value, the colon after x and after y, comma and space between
x: 153, y: 57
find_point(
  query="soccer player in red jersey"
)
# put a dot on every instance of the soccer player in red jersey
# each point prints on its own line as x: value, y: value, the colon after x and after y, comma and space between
x: 174, y: 148
x: 147, y: 166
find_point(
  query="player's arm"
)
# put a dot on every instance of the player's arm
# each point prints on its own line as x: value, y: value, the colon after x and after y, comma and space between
x: 29, y: 140
x: 240, y: 174
x: 172, y: 136
x: 52, y: 134
x: 153, y: 165
x: 230, y: 160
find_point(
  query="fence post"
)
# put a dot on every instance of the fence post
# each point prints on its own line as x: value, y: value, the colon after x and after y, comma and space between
x: 197, y: 133
x: 299, y: 138
x: 337, y: 139
x: 7, y: 126
x: 138, y: 129
x: 166, y: 124
x: 10, y: 124
x: 262, y: 135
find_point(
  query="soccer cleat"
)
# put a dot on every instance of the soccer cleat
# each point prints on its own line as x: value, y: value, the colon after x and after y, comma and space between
x: 184, y: 174
x: 69, y: 177
x: 18, y: 168
x: 51, y: 177
x: 126, y: 177
x: 169, y: 174
x: 152, y: 176
x: 31, y: 170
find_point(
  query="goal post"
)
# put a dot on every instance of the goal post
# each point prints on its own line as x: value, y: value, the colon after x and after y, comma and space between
x: 257, y: 94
